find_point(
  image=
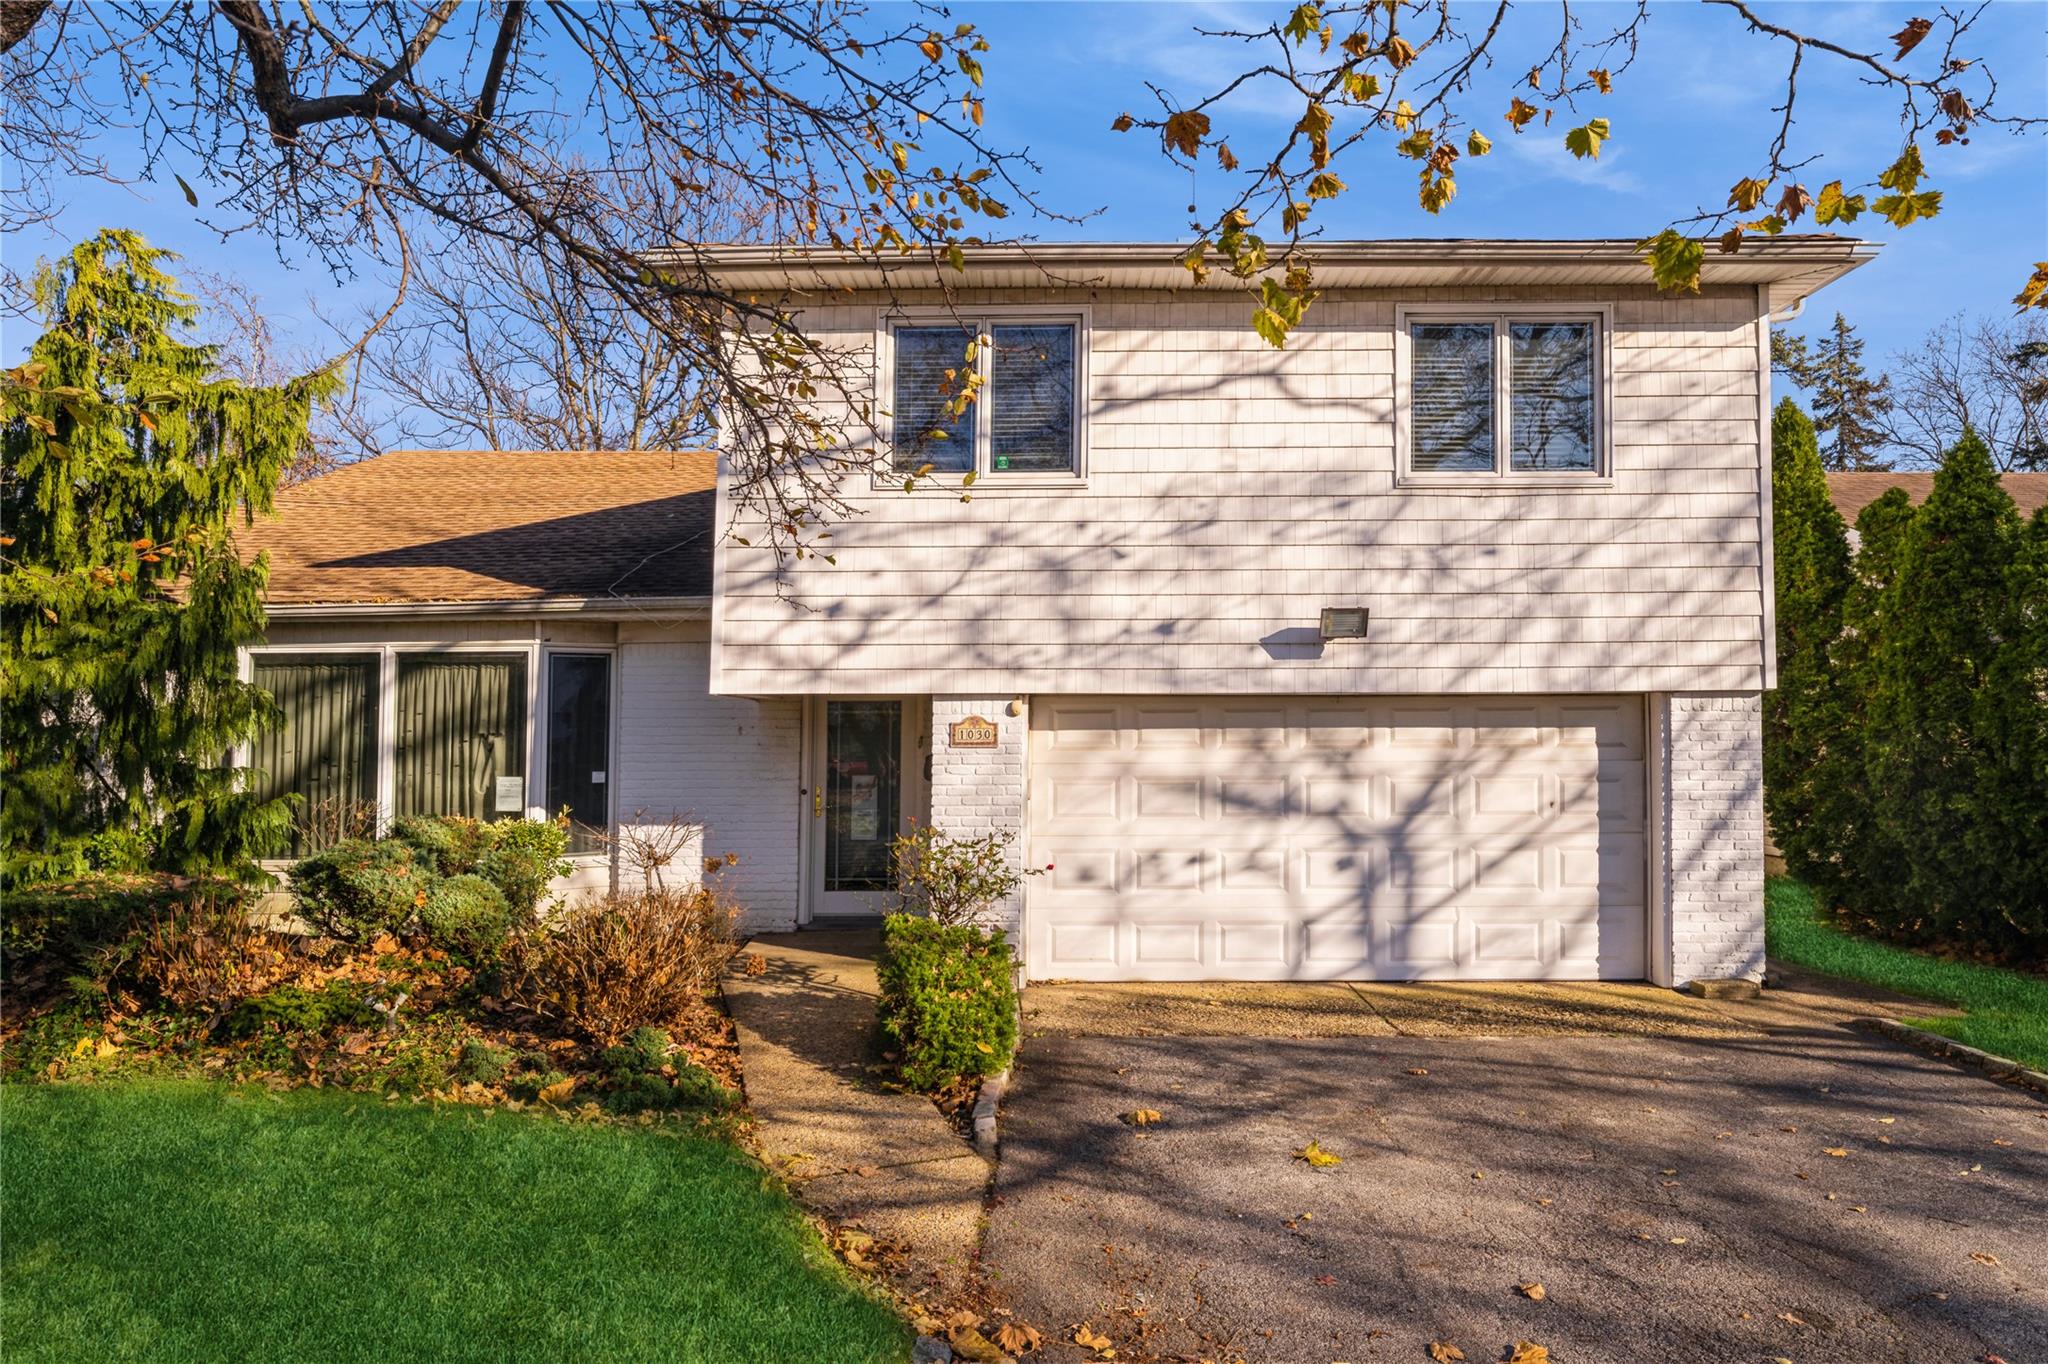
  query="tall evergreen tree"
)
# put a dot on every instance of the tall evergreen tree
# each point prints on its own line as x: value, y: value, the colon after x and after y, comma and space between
x: 1849, y: 858
x: 127, y: 462
x: 1943, y: 620
x: 1805, y: 716
x: 1848, y: 405
x: 2009, y: 836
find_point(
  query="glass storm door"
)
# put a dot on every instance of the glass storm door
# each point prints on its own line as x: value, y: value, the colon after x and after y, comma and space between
x: 863, y: 803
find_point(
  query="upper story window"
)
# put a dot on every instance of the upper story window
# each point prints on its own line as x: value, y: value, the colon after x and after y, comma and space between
x: 1505, y: 394
x: 1024, y: 376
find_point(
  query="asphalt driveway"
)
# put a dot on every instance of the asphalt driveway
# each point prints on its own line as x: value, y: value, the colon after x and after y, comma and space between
x: 1807, y: 1196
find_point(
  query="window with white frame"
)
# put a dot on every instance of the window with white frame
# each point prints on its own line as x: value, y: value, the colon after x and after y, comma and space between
x: 395, y: 731
x: 1506, y: 394
x: 986, y: 396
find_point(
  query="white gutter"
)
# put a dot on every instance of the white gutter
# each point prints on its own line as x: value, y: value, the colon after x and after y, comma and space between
x: 584, y: 608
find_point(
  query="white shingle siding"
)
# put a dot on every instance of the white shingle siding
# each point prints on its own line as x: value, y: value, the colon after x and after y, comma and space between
x: 726, y: 763
x: 1234, y: 490
x: 1711, y: 850
x: 978, y: 791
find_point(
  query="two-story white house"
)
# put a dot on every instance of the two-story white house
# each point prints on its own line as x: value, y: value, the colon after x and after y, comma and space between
x: 1430, y: 646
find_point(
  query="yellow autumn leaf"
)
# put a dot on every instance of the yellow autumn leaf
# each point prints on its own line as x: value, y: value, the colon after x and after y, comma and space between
x: 1838, y: 1152
x: 555, y: 1093
x: 1142, y: 1117
x: 1532, y: 1291
x: 985, y: 1049
x: 1317, y: 1157
x: 1529, y: 1352
x: 1443, y: 1352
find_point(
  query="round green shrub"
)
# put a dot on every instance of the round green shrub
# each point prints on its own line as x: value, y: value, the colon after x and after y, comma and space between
x: 524, y: 855
x: 467, y: 917
x: 451, y: 844
x: 948, y: 1006
x: 358, y: 889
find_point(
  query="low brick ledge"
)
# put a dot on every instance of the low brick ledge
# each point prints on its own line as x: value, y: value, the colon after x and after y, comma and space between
x: 985, y: 1112
x: 1948, y: 1049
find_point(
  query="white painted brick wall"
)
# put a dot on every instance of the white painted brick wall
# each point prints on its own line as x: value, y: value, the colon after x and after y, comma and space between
x: 1710, y: 747
x: 727, y: 763
x: 977, y: 791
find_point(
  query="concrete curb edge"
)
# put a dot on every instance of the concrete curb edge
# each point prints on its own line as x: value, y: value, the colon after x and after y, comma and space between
x: 1947, y: 1049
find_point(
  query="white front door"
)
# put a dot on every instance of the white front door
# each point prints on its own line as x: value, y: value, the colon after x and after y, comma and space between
x: 1213, y: 838
x: 865, y: 770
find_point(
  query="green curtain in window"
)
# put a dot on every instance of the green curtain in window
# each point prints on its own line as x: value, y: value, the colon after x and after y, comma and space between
x: 461, y: 725
x: 325, y: 752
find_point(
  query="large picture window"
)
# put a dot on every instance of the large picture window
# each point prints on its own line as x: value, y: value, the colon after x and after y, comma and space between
x: 325, y: 751
x: 1024, y: 417
x: 460, y: 735
x: 1504, y: 394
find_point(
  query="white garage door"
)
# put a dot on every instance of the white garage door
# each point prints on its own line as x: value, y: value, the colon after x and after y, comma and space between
x: 1340, y: 838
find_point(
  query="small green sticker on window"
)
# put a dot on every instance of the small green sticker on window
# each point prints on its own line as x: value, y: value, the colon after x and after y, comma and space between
x: 1002, y: 461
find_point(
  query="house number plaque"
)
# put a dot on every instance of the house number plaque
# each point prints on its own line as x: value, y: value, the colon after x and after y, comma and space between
x: 972, y: 732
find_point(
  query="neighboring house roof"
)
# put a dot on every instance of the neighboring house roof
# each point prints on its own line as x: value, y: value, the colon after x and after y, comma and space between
x: 478, y: 526
x: 1792, y: 266
x: 1851, y: 493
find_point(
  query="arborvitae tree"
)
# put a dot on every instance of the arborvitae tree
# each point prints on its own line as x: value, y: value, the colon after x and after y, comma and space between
x: 1849, y: 859
x: 2009, y: 836
x: 1943, y: 619
x: 1848, y: 405
x: 1805, y: 717
x: 127, y: 461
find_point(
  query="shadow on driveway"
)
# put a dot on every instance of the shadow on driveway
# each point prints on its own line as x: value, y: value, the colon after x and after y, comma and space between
x: 1678, y: 1198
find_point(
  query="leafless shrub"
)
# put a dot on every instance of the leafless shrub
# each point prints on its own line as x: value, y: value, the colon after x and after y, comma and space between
x: 627, y: 961
x: 326, y: 822
x: 653, y: 851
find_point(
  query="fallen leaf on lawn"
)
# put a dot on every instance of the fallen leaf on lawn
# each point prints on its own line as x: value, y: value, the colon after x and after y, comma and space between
x: 1838, y: 1152
x: 1317, y: 1157
x: 1984, y: 1257
x: 1532, y: 1291
x: 1443, y: 1352
x: 1142, y: 1117
x: 1016, y: 1338
x: 555, y: 1093
x: 1528, y: 1352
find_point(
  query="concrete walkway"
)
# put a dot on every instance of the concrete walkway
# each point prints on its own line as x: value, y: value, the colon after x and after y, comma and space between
x: 887, y: 1164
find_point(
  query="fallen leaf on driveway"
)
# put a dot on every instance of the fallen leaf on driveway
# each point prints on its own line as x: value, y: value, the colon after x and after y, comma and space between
x: 1677, y: 1240
x: 1791, y: 1319
x: 1887, y: 1121
x: 1089, y: 1339
x: 1418, y: 1070
x: 1443, y: 1352
x: 1528, y: 1352
x: 1984, y: 1257
x: 1838, y: 1152
x: 2000, y: 1141
x: 1142, y: 1117
x: 1016, y: 1338
x: 1327, y: 1280
x: 1317, y: 1157
x: 1532, y: 1291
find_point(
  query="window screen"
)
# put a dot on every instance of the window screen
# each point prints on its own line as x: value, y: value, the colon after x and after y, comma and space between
x: 325, y: 752
x: 579, y: 744
x: 461, y: 735
x: 922, y: 429
x: 1031, y: 399
x: 1451, y: 409
x: 1550, y: 396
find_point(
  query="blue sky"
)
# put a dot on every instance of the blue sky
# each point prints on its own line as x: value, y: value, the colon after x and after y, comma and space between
x: 1688, y: 119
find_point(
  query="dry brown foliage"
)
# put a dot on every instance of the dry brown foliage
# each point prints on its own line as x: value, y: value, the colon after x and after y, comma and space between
x: 625, y: 961
x: 206, y: 956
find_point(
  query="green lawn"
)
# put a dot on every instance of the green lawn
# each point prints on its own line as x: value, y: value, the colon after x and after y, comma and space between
x: 2007, y: 1011
x: 181, y: 1221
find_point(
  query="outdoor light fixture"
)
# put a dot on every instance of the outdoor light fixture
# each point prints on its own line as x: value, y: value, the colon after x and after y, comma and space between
x: 1344, y: 622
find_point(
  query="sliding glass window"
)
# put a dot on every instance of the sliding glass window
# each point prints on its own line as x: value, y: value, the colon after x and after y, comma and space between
x: 325, y: 752
x: 460, y: 735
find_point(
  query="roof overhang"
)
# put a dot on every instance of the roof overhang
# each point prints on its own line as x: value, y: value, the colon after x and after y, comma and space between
x: 1790, y: 267
x: 582, y: 608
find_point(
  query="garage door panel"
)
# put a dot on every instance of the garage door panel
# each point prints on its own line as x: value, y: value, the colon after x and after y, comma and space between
x: 1338, y: 838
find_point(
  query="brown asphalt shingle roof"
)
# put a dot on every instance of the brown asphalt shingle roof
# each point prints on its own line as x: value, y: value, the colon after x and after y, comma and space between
x: 489, y: 526
x: 1851, y: 493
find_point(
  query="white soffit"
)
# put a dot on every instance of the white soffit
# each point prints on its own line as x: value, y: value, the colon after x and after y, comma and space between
x: 1792, y: 267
